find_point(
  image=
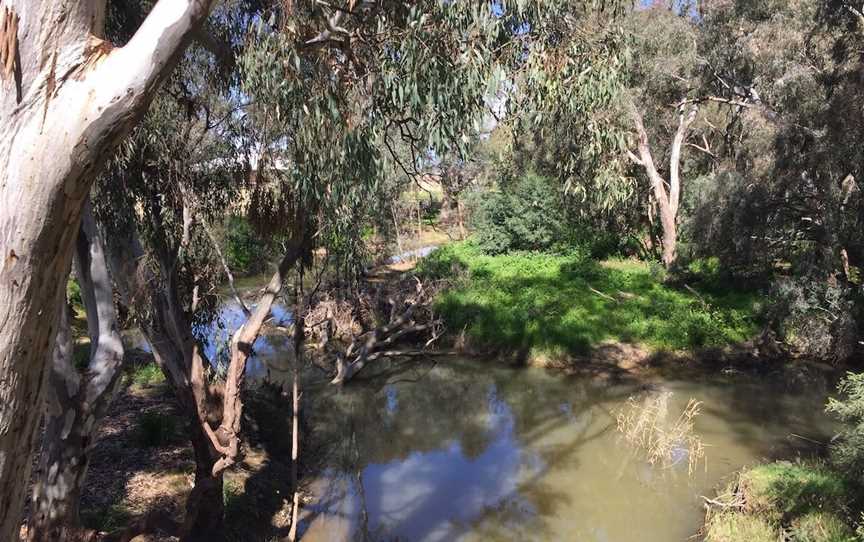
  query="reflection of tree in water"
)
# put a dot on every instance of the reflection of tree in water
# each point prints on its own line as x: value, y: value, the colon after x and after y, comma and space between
x: 388, y: 419
x: 461, y: 433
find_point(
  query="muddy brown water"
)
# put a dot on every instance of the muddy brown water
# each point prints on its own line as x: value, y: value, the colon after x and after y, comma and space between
x: 475, y: 450
x: 470, y: 450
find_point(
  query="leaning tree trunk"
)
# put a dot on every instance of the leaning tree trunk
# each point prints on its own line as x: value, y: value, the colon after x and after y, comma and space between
x: 169, y: 332
x: 67, y: 98
x: 77, y: 401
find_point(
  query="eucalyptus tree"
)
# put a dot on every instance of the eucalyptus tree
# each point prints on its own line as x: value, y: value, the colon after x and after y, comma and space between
x: 179, y: 173
x: 68, y: 99
x: 787, y: 185
x: 327, y: 90
x: 663, y: 79
x: 77, y: 398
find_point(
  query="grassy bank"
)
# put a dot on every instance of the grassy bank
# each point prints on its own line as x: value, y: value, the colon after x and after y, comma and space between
x: 801, y: 502
x: 566, y: 305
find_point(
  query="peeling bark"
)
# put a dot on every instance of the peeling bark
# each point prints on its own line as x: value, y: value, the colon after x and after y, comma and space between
x: 76, y: 401
x: 70, y: 101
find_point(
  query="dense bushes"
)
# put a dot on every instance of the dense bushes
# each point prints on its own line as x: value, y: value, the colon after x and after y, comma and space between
x: 526, y: 214
x: 245, y: 251
x: 814, y: 316
x: 531, y: 213
x: 848, y: 448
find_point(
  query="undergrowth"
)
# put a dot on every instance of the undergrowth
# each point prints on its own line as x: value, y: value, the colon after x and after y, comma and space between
x: 793, y: 501
x: 571, y: 303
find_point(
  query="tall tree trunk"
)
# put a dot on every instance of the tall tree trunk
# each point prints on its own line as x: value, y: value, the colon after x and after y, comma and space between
x: 67, y: 100
x: 667, y: 202
x: 670, y: 237
x: 77, y: 401
x: 205, y: 508
x: 169, y: 332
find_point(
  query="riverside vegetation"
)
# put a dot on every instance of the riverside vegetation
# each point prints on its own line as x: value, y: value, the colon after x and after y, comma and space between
x: 613, y: 248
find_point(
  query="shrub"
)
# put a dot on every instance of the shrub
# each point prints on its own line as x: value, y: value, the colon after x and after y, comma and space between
x: 245, y: 251
x: 814, y: 316
x: 156, y: 428
x: 73, y: 293
x: 848, y: 448
x: 818, y: 526
x: 146, y: 376
x: 527, y: 214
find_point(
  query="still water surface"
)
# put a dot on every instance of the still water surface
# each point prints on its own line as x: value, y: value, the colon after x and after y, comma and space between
x: 467, y: 450
x: 472, y: 450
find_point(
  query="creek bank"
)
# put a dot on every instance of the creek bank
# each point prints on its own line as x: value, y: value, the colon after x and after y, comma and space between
x: 801, y: 501
x: 142, y: 466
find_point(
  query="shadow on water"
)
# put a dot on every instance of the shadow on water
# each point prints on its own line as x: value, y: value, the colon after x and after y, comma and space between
x: 467, y: 450
x: 479, y: 451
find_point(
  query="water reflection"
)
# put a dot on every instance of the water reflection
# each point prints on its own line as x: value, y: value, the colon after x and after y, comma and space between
x: 272, y: 352
x: 472, y: 451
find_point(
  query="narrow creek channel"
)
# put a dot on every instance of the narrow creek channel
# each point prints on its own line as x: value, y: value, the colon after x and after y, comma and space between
x: 476, y: 450
x: 470, y: 450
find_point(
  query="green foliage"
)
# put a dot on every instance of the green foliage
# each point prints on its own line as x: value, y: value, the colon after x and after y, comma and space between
x: 146, y: 376
x: 806, y: 501
x: 783, y: 489
x: 525, y: 214
x: 231, y: 492
x: 530, y: 212
x: 848, y: 449
x: 737, y: 527
x: 569, y: 303
x: 817, y: 526
x: 73, y: 293
x: 245, y: 251
x: 815, y: 316
x: 156, y: 428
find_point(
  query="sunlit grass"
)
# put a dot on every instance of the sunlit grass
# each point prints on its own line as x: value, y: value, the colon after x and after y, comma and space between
x: 805, y: 501
x: 571, y: 303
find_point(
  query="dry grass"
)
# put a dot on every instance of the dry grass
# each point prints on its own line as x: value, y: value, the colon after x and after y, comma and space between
x: 646, y: 426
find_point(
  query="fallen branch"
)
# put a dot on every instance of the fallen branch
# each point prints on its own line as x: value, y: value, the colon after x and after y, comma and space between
x: 601, y: 294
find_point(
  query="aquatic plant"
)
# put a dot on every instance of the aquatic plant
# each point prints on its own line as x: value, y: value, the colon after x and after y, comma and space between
x: 644, y: 425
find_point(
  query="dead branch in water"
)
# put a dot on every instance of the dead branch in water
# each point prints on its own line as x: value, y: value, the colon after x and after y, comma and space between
x: 375, y: 323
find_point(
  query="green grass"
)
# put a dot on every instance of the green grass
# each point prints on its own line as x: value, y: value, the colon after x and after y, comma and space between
x: 735, y: 527
x: 821, y: 527
x: 784, y: 489
x: 569, y: 304
x: 806, y: 501
x: 146, y: 376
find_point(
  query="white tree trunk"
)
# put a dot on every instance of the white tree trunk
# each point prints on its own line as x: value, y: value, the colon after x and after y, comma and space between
x: 77, y: 401
x: 69, y: 100
x: 667, y: 201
